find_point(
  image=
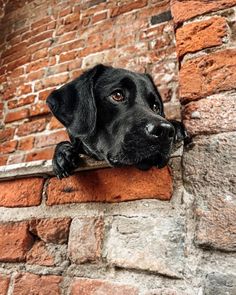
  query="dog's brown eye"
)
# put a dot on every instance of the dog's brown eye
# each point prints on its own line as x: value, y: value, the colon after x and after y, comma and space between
x: 117, y: 96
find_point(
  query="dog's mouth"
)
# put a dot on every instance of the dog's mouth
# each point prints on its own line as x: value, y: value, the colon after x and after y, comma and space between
x: 141, y: 161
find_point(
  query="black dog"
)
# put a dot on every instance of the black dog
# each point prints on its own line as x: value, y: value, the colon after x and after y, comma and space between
x: 114, y: 115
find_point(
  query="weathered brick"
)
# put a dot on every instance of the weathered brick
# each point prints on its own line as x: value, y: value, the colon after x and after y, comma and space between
x: 40, y: 108
x: 31, y: 127
x: 98, y: 17
x: 200, y: 35
x: 23, y: 193
x: 50, y: 139
x: 185, y: 10
x: 126, y: 244
x: 89, y: 186
x: 8, y: 147
x: 209, y: 170
x: 41, y: 22
x: 216, y: 225
x: 200, y: 116
x: 54, y: 230
x: 39, y: 255
x: 4, y: 283
x: 207, y: 75
x: 15, y: 241
x: 42, y: 154
x: 17, y: 115
x: 21, y: 102
x: 101, y: 287
x: 29, y: 284
x: 54, y: 124
x: 6, y: 134
x: 3, y: 160
x: 131, y: 5
x: 26, y: 144
x: 86, y: 234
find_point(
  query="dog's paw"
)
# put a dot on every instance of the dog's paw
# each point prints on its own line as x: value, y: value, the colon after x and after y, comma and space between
x: 65, y: 160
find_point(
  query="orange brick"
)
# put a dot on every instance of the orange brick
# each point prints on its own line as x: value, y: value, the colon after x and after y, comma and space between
x: 128, y: 7
x: 39, y: 255
x: 89, y: 186
x: 15, y: 116
x: 50, y: 139
x: 26, y: 144
x: 28, y: 283
x: 8, y: 147
x: 4, y: 283
x: 39, y: 108
x: 6, y: 134
x: 15, y: 241
x: 42, y: 154
x: 23, y: 193
x: 31, y: 127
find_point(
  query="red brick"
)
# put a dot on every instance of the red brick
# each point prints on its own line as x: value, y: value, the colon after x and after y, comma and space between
x: 42, y: 154
x: 66, y: 37
x: 210, y: 115
x: 90, y: 287
x: 200, y: 35
x: 207, y: 75
x: 3, y: 160
x: 31, y: 127
x: 8, y: 147
x: 4, y: 283
x: 9, y: 93
x: 68, y: 56
x: 23, y: 193
x: 17, y: 63
x: 14, y: 49
x: 12, y: 104
x: 26, y: 144
x: 24, y: 89
x: 128, y: 7
x: 35, y: 47
x: 71, y: 18
x: 51, y: 230
x: 43, y: 95
x: 41, y: 22
x: 41, y: 37
x: 50, y: 139
x: 17, y: 115
x: 15, y: 159
x: 40, y: 53
x: 54, y: 124
x: 36, y: 65
x: 101, y: 186
x: 36, y: 75
x: 55, y: 80
x: 31, y: 284
x: 15, y: 241
x: 6, y: 134
x: 75, y: 44
x: 98, y: 17
x: 39, y: 255
x: 185, y: 10
x: 39, y: 108
x: 86, y: 234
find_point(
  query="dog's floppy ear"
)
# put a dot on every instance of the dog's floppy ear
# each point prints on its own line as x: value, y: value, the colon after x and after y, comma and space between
x: 74, y: 105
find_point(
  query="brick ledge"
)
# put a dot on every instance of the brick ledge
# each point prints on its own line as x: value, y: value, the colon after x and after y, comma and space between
x: 44, y: 167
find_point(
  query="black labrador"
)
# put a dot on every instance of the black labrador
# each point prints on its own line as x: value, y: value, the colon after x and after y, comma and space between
x: 114, y: 115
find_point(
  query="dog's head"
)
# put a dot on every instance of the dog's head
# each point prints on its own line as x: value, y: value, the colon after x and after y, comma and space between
x: 118, y: 115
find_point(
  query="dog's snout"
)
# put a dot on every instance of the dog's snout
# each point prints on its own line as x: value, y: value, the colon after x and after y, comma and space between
x: 163, y: 130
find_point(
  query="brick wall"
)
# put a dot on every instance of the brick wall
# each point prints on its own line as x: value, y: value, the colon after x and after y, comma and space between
x: 120, y: 231
x: 45, y: 44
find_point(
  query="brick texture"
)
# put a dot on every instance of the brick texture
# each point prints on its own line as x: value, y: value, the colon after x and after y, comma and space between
x: 90, y: 287
x: 183, y: 10
x: 89, y: 186
x: 29, y: 284
x: 200, y: 35
x: 23, y: 193
x: 207, y: 75
x: 4, y: 283
x: 15, y: 241
x: 86, y: 234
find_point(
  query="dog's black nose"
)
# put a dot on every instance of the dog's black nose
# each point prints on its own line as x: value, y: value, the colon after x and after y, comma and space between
x: 163, y: 130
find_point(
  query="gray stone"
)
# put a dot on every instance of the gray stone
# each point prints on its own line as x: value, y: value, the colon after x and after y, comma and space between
x: 145, y: 243
x: 220, y: 284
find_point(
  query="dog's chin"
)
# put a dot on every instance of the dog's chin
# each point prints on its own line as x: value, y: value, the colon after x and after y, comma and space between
x: 158, y: 160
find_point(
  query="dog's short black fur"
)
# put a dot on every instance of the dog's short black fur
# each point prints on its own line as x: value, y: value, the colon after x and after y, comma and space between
x: 114, y: 115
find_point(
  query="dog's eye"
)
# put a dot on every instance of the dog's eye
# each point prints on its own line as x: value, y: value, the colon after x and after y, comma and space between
x: 155, y: 108
x: 117, y: 96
